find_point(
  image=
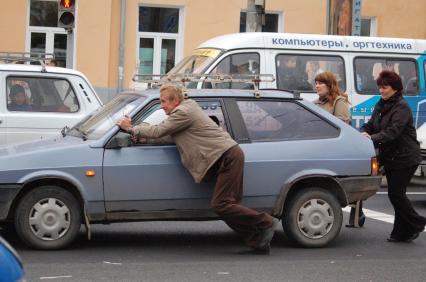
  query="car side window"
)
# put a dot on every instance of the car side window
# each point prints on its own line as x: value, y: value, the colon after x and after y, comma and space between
x: 284, y: 120
x: 155, y: 115
x: 212, y: 108
x: 41, y: 95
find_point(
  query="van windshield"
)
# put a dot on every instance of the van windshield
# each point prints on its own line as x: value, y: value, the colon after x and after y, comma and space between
x: 196, y: 63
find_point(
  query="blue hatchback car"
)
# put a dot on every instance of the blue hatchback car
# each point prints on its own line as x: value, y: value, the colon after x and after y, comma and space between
x: 302, y: 166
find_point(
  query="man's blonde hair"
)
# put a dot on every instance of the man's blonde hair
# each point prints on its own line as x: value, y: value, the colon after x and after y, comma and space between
x: 173, y: 91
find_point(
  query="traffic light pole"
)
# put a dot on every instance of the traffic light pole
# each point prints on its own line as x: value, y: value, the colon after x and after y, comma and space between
x: 70, y: 49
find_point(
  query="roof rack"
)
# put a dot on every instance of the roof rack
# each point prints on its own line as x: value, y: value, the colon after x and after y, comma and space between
x: 26, y: 58
x: 156, y: 80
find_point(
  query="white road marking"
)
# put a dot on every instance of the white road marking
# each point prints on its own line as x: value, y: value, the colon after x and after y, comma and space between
x: 55, y: 277
x: 375, y: 215
x: 408, y: 193
x: 115, y: 263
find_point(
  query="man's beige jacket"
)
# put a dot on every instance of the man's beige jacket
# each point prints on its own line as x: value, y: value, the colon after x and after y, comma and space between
x: 200, y: 141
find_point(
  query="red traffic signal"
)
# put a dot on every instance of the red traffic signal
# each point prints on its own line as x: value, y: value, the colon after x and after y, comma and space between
x: 66, y: 4
x: 66, y: 14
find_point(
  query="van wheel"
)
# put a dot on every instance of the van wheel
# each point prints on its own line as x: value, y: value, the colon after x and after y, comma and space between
x: 47, y: 218
x: 313, y: 218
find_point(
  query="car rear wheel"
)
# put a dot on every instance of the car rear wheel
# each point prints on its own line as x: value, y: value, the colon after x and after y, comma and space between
x: 313, y: 218
x: 48, y: 217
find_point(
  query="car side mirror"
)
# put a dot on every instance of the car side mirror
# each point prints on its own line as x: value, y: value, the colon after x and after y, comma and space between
x: 120, y: 140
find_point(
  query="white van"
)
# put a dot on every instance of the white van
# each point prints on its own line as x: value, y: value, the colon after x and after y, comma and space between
x: 295, y: 59
x: 36, y: 102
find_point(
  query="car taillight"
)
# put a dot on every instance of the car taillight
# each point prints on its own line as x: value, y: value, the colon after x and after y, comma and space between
x: 374, y: 166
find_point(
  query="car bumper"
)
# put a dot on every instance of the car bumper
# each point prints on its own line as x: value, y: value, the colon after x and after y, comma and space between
x: 7, y: 194
x: 360, y: 187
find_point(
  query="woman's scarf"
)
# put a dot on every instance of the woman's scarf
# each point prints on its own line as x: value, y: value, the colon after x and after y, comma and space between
x: 383, y: 106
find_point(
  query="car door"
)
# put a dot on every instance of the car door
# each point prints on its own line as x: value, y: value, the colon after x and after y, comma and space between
x: 151, y: 177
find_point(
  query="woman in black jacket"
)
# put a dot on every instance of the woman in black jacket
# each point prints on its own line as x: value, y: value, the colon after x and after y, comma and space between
x: 392, y: 131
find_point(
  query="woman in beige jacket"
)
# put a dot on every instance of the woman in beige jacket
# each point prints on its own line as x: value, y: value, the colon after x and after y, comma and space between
x: 330, y: 97
x: 334, y: 101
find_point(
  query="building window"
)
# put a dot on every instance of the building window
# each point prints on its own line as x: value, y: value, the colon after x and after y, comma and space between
x: 159, y: 39
x: 271, y: 22
x: 44, y: 13
x: 44, y: 35
x: 153, y: 19
x: 368, y: 27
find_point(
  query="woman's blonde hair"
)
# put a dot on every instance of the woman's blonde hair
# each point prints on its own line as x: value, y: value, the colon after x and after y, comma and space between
x: 329, y: 79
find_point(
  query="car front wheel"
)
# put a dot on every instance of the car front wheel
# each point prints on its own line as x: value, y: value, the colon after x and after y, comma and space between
x: 313, y: 218
x: 48, y: 217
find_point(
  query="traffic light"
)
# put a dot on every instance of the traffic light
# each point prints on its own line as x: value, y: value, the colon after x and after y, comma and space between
x: 66, y: 14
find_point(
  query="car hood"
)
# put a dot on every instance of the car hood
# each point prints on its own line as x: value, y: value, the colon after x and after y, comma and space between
x: 19, y: 162
x: 42, y: 145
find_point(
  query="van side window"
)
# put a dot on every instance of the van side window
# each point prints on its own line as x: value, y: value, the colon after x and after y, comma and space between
x: 297, y: 72
x: 367, y: 71
x: 41, y: 95
x: 236, y: 65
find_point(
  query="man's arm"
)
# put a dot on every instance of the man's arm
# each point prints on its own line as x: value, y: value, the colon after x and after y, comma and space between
x: 177, y: 121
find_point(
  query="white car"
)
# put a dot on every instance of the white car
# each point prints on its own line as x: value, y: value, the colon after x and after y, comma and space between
x: 36, y: 102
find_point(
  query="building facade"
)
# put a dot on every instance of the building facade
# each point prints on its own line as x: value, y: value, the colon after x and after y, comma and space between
x: 114, y: 39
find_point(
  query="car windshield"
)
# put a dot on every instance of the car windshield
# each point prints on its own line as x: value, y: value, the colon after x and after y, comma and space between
x: 103, y: 119
x: 196, y: 63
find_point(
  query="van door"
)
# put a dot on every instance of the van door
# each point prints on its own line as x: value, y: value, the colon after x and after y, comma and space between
x: 38, y: 107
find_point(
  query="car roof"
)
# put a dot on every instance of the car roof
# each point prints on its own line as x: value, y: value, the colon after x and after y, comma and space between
x: 38, y: 68
x: 219, y: 93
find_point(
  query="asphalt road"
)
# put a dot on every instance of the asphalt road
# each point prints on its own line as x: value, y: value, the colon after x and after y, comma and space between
x: 210, y: 251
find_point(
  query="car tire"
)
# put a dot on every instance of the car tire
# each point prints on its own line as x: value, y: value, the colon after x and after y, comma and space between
x: 47, y: 218
x: 313, y: 218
